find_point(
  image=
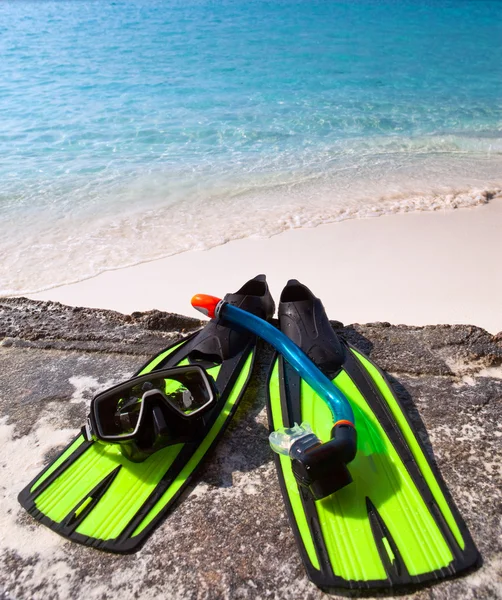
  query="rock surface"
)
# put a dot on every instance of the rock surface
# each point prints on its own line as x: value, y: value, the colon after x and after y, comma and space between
x: 228, y: 538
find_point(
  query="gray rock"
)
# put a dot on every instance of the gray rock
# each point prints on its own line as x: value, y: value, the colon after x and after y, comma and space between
x: 229, y: 537
x: 52, y: 326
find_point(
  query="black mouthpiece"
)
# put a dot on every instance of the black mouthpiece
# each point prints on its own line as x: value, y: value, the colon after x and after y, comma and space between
x: 322, y: 468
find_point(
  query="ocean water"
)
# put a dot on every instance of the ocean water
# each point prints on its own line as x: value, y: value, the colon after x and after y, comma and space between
x: 136, y: 129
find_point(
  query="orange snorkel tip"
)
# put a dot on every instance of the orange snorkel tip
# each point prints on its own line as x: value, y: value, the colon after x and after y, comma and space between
x: 205, y: 304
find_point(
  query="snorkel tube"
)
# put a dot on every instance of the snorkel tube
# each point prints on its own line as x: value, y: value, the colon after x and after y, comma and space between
x: 320, y: 467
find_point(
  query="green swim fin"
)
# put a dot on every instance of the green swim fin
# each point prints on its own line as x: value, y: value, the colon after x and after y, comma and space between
x: 394, y: 525
x: 93, y: 495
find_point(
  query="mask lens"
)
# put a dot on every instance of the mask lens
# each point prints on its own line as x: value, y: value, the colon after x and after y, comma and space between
x: 188, y: 392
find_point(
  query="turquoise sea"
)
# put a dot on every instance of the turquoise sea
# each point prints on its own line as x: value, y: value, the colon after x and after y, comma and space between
x: 135, y: 129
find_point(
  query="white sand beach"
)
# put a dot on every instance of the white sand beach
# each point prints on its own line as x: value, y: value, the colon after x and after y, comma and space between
x: 416, y: 269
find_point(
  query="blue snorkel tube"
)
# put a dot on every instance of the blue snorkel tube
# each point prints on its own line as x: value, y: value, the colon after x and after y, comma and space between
x: 338, y: 404
x: 321, y: 467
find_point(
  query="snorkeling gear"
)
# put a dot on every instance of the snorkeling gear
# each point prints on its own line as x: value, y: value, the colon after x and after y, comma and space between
x: 320, y: 467
x: 98, y: 494
x: 152, y: 411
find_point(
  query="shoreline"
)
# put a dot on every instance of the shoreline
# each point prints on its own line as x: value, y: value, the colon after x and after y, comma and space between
x: 84, y: 245
x: 412, y: 268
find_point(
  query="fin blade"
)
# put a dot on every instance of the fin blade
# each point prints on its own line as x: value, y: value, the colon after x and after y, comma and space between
x: 82, y: 510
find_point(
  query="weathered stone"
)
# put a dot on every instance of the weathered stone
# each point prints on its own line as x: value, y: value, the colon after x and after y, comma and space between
x: 50, y: 325
x: 229, y: 536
